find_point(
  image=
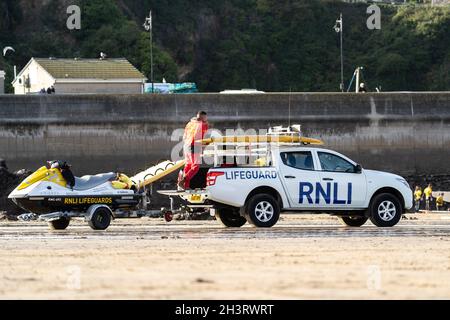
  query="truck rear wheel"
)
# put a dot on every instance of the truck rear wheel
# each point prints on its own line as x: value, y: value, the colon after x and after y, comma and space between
x: 60, y: 224
x: 262, y: 211
x: 230, y: 217
x: 385, y: 210
x: 101, y: 219
x: 353, y: 221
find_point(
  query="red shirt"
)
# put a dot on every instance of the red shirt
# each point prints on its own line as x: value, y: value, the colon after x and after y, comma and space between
x: 195, y: 130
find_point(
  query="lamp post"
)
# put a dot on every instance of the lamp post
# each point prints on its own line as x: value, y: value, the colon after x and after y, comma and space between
x: 339, y: 28
x: 148, y: 25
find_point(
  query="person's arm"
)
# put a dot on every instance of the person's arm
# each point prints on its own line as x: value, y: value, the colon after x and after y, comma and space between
x: 186, y: 133
x: 205, y: 127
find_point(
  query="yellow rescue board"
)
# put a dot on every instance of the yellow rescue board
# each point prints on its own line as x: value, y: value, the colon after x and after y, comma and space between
x: 156, y: 173
x: 261, y: 139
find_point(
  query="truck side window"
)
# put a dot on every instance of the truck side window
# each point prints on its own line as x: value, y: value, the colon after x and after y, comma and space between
x: 299, y: 160
x: 334, y: 163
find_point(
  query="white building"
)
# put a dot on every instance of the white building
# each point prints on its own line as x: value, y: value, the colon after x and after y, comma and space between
x: 80, y: 76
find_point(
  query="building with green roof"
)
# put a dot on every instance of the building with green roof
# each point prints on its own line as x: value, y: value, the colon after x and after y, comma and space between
x: 80, y: 76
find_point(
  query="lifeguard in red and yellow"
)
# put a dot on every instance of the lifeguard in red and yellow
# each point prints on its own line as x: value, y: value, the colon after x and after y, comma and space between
x: 195, y: 130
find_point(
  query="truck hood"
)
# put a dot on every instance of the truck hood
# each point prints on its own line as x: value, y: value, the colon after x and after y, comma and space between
x: 375, y: 174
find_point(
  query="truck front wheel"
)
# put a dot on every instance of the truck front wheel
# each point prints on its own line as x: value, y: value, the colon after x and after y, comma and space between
x: 230, y: 217
x: 262, y: 211
x: 385, y: 210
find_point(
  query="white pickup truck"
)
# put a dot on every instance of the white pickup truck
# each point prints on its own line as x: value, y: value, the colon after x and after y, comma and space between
x: 304, y: 179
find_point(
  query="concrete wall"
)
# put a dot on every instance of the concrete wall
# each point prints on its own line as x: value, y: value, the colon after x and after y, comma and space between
x: 406, y: 133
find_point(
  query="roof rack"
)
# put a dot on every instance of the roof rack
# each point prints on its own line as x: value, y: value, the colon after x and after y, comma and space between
x: 291, y: 135
x: 255, y: 145
x: 295, y: 129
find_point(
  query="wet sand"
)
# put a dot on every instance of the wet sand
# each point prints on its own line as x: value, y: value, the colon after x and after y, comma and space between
x: 303, y: 257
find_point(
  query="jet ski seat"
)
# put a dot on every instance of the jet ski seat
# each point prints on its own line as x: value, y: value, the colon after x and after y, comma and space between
x: 89, y: 182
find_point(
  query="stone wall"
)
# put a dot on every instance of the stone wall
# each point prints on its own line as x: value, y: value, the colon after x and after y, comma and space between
x: 405, y: 133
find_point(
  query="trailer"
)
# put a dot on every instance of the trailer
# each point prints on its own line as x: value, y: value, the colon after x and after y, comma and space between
x: 57, y: 197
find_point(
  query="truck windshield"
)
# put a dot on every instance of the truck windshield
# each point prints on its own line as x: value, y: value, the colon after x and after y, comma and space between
x: 334, y: 163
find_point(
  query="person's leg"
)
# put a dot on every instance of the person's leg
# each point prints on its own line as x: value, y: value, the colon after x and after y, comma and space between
x: 187, y: 168
x: 193, y: 169
x: 417, y: 206
x: 182, y: 175
x: 191, y: 174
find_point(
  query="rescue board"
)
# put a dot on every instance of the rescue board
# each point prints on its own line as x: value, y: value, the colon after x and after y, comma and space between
x: 197, y: 196
x: 261, y: 139
x: 181, y: 192
x: 157, y: 172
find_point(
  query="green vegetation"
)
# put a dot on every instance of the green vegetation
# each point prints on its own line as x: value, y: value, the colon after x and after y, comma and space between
x: 272, y: 45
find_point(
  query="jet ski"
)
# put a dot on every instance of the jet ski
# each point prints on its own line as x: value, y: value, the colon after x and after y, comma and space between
x: 54, y: 192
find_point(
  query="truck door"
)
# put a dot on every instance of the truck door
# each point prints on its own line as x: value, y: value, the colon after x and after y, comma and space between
x: 342, y: 184
x: 299, y: 176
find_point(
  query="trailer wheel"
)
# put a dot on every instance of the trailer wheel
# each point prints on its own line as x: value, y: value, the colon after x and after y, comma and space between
x: 262, y: 211
x: 100, y: 219
x: 168, y: 216
x: 230, y: 217
x: 353, y: 221
x: 385, y: 210
x: 60, y: 224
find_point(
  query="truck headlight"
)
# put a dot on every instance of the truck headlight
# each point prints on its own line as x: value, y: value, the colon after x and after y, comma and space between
x: 404, y: 182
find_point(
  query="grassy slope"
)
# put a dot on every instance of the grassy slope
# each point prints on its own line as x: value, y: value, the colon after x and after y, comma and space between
x: 269, y: 44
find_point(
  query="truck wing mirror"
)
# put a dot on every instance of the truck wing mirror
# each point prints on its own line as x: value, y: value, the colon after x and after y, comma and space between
x: 358, y: 168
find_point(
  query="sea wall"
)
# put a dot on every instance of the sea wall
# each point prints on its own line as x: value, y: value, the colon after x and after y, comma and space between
x: 406, y: 133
